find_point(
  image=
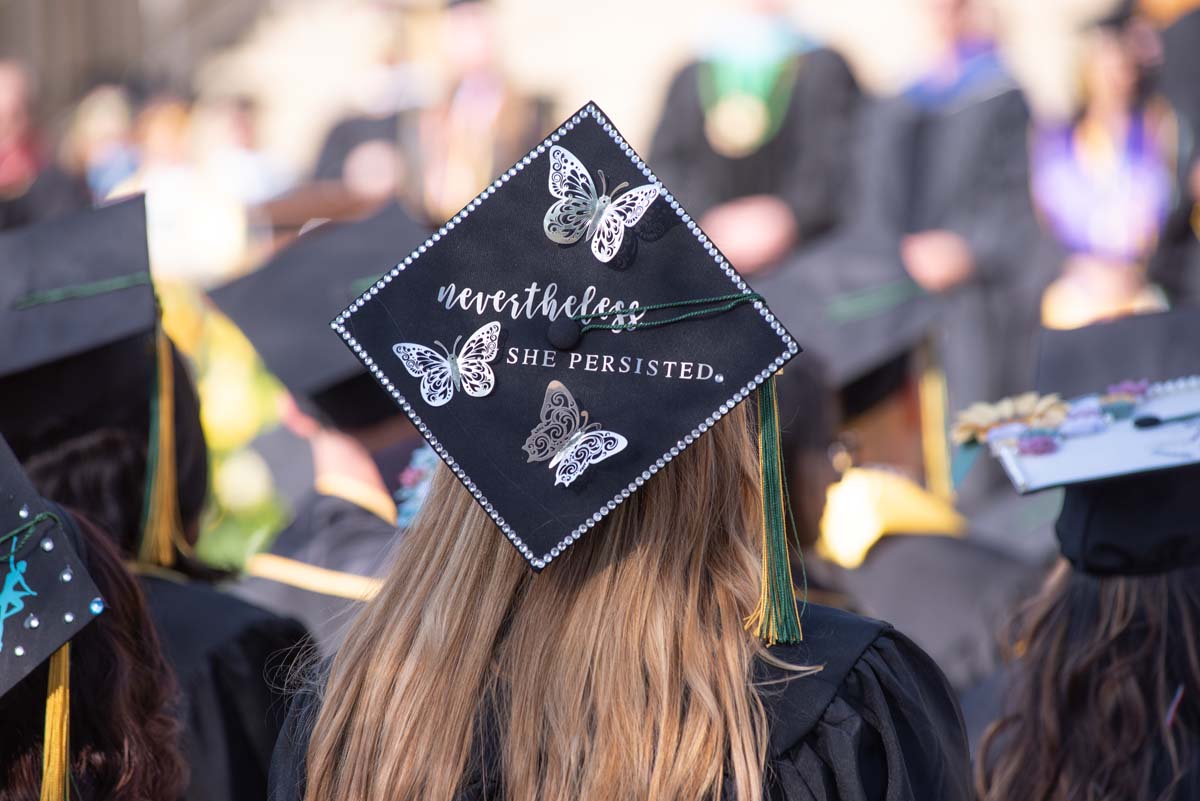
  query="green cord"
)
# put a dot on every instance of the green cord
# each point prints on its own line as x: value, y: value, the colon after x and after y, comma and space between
x: 81, y: 290
x: 854, y: 306
x: 734, y: 300
x: 27, y: 528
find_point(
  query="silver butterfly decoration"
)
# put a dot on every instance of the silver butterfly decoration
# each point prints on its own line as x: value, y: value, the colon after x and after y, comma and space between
x: 567, y: 439
x: 581, y: 212
x: 443, y: 373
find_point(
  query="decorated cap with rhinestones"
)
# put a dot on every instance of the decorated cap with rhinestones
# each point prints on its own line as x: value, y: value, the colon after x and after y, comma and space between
x: 46, y: 595
x: 282, y: 307
x: 565, y: 335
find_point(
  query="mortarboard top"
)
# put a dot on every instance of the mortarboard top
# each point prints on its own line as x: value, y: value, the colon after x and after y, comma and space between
x: 46, y: 595
x: 78, y: 307
x: 551, y: 421
x: 91, y: 265
x: 860, y: 313
x: 281, y: 308
x: 1127, y: 450
x: 1145, y: 346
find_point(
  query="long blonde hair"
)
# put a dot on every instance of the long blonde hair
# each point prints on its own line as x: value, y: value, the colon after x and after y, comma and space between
x: 621, y: 672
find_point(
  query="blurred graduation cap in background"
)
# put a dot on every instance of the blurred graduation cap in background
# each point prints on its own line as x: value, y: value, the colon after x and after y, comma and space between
x: 84, y: 351
x: 874, y: 329
x: 1126, y: 449
x: 283, y: 306
x: 46, y: 598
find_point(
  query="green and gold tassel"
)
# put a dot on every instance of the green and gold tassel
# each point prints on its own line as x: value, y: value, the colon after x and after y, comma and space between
x: 161, y: 525
x: 776, y: 619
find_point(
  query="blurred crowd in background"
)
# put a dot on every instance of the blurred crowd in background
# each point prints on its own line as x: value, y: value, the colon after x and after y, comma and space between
x: 1024, y: 163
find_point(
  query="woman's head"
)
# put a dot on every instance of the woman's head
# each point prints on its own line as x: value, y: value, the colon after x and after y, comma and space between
x: 1109, y: 690
x: 621, y: 671
x: 124, y: 735
x: 1111, y: 73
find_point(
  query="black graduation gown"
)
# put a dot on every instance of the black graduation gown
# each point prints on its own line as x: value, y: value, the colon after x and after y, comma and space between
x: 878, y: 723
x: 804, y: 163
x: 952, y: 596
x: 335, y: 534
x: 1175, y: 264
x: 231, y: 660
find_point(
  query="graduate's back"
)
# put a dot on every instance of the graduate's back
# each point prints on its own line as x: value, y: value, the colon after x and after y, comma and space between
x: 623, y: 671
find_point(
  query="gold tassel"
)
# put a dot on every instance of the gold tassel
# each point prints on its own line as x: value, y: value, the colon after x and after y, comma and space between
x: 935, y: 447
x: 161, y: 525
x: 56, y: 745
x: 776, y: 619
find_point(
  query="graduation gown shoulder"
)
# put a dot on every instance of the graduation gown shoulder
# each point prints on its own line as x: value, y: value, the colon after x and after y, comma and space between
x: 332, y: 533
x: 877, y: 723
x: 231, y: 659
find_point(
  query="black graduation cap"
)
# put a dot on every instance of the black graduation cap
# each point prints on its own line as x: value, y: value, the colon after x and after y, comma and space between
x: 1155, y: 347
x: 1127, y: 450
x: 860, y: 312
x: 496, y: 336
x: 280, y: 306
x: 46, y: 595
x: 79, y: 309
x: 92, y: 264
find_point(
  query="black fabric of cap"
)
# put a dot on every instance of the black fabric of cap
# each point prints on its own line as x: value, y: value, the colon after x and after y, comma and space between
x: 1155, y: 347
x: 46, y: 595
x: 868, y: 350
x: 1132, y: 525
x: 283, y: 306
x: 74, y: 284
x: 480, y: 379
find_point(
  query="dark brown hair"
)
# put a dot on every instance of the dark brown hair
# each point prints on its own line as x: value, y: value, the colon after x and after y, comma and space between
x: 103, y: 474
x: 1107, y: 701
x: 124, y: 735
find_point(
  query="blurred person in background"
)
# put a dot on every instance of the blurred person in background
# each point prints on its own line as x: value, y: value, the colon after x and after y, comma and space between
x: 437, y: 154
x: 99, y: 142
x: 325, y: 562
x: 1175, y: 265
x: 124, y: 740
x: 32, y: 186
x: 100, y: 408
x: 197, y: 224
x: 940, y: 207
x: 754, y: 135
x: 1102, y: 695
x: 239, y: 162
x: 1106, y: 182
x: 878, y: 536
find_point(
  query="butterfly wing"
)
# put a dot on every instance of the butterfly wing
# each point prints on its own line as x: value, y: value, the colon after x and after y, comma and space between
x: 592, y: 447
x: 624, y: 212
x: 560, y: 419
x: 567, y: 220
x: 481, y: 347
x: 431, y: 367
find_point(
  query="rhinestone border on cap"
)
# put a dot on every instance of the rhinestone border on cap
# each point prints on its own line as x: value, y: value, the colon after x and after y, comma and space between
x: 539, y: 562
